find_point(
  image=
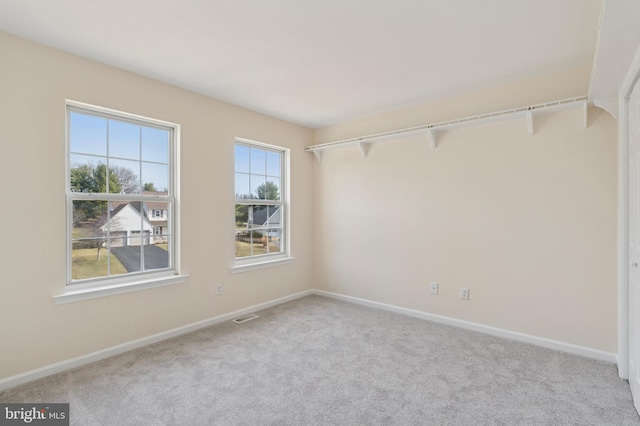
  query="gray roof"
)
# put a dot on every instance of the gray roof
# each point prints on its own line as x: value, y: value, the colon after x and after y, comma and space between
x: 260, y: 217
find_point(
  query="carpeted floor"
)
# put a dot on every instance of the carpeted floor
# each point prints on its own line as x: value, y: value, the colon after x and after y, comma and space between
x: 321, y: 361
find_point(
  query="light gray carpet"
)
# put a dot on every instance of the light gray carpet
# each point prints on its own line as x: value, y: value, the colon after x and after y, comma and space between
x: 322, y: 361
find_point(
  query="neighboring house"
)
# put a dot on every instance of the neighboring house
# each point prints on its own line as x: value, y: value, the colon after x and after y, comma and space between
x: 125, y: 226
x: 156, y: 213
x: 125, y: 222
x: 273, y: 220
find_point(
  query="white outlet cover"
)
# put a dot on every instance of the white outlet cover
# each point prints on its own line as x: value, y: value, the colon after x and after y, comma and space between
x: 433, y: 287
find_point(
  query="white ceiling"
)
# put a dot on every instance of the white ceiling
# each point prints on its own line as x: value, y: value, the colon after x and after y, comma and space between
x: 318, y: 62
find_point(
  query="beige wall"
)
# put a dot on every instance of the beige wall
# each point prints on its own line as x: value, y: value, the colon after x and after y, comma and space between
x: 527, y: 223
x: 34, y: 83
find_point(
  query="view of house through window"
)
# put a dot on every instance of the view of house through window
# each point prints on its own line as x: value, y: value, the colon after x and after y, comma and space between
x: 260, y: 200
x: 120, y: 195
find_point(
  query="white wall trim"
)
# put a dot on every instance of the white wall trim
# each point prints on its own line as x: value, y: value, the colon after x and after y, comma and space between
x: 633, y: 74
x: 623, y: 240
x: 76, y: 294
x: 244, y: 267
x: 526, y: 338
x: 69, y: 364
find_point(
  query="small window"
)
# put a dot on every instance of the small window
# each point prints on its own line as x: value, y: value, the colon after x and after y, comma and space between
x: 261, y: 201
x: 119, y: 165
x: 157, y: 213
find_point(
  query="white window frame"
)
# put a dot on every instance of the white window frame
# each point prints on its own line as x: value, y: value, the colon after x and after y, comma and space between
x: 242, y: 264
x: 104, y: 286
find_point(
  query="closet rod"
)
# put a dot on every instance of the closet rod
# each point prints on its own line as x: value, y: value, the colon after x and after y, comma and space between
x: 527, y: 111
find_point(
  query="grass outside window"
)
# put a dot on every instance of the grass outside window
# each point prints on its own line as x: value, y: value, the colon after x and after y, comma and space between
x: 243, y: 249
x: 86, y: 263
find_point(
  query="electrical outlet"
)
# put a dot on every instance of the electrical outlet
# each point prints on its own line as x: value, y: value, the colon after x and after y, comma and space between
x: 433, y: 287
x: 464, y: 293
x: 218, y: 289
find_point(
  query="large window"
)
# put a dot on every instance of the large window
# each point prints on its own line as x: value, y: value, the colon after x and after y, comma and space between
x: 260, y: 177
x: 121, y: 169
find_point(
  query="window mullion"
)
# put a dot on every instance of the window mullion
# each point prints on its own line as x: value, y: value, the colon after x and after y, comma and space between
x: 140, y: 179
x: 108, y: 239
x: 106, y: 172
x: 101, y: 196
x: 141, y: 233
x: 258, y: 202
x: 142, y: 204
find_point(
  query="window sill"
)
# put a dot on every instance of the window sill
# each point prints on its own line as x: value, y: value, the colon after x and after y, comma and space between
x: 76, y: 295
x: 243, y: 267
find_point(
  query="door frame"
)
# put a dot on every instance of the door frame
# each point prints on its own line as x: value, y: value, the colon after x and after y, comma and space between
x: 633, y: 75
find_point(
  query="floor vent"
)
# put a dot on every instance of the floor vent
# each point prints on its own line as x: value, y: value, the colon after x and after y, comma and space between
x: 245, y: 318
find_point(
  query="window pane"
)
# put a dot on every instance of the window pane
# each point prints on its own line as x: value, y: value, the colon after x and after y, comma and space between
x: 125, y: 175
x: 272, y: 189
x: 91, y: 175
x: 155, y: 145
x: 242, y: 158
x: 257, y: 242
x: 258, y: 187
x: 89, y: 259
x: 128, y: 254
x: 271, y: 236
x: 87, y: 264
x: 158, y: 217
x: 275, y: 241
x: 242, y: 217
x: 243, y: 245
x: 77, y: 160
x: 155, y: 177
x: 84, y: 171
x: 258, y: 161
x: 248, y: 243
x: 273, y: 216
x: 125, y: 218
x: 115, y: 266
x: 273, y: 164
x: 260, y: 216
x: 161, y: 258
x: 87, y: 134
x: 243, y: 191
x: 258, y: 230
x: 124, y: 140
x: 88, y: 218
x: 155, y: 257
x: 118, y: 238
x: 131, y: 231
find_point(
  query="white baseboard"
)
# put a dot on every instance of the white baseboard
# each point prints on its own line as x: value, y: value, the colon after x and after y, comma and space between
x: 527, y: 338
x: 69, y: 364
